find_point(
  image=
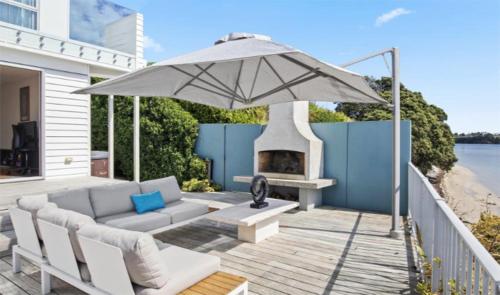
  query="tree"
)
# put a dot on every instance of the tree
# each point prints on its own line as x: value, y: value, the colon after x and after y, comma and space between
x: 432, y: 139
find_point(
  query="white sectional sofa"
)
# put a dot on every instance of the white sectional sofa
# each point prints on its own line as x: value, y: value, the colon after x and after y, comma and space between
x: 94, y: 240
x: 111, y: 204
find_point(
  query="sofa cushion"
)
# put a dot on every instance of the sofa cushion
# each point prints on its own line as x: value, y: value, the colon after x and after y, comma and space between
x: 167, y: 186
x: 113, y: 199
x: 71, y: 220
x: 138, y: 222
x: 186, y: 268
x: 140, y: 253
x: 77, y: 200
x: 147, y: 202
x: 32, y: 204
x: 183, y: 210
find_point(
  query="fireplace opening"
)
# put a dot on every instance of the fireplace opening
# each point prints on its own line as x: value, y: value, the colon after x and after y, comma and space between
x: 282, y: 162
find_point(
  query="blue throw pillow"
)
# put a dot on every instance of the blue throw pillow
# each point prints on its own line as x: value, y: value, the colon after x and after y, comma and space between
x: 148, y: 202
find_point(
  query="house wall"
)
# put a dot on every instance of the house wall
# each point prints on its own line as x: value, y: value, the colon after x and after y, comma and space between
x: 357, y: 154
x: 10, y: 106
x: 54, y: 18
x: 65, y: 121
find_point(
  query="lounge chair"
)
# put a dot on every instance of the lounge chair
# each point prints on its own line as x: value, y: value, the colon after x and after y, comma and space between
x: 29, y: 242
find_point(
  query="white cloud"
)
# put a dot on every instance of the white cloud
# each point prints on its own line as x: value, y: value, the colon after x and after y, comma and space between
x: 386, y: 17
x: 150, y: 43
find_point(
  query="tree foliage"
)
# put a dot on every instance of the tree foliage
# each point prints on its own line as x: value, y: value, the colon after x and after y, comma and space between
x: 208, y: 114
x: 432, y: 139
x: 478, y: 138
x: 319, y: 114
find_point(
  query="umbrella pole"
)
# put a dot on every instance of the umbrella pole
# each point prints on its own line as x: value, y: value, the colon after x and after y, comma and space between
x: 395, y: 231
x: 111, y: 137
x: 137, y: 126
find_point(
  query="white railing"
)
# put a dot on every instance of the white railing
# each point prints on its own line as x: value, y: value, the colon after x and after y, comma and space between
x: 34, y: 40
x: 459, y: 262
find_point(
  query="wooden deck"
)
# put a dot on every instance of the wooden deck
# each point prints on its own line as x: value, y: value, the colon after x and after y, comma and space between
x: 323, y: 251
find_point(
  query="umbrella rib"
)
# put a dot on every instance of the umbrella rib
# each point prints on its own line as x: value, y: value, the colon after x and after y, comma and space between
x: 214, y: 78
x: 215, y: 92
x: 237, y: 83
x: 255, y: 77
x: 321, y: 73
x: 288, y: 84
x: 194, y: 78
x: 279, y: 77
x: 206, y: 82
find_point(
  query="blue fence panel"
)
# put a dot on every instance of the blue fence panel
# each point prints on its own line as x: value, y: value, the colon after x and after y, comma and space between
x: 357, y: 154
x: 369, y: 173
x: 239, y: 153
x: 334, y: 138
x: 210, y: 145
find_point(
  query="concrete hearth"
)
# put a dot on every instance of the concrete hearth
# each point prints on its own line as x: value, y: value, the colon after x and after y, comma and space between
x: 309, y: 190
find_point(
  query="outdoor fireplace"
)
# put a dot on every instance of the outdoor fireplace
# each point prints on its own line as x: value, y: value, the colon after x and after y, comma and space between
x: 288, y: 149
x: 281, y: 162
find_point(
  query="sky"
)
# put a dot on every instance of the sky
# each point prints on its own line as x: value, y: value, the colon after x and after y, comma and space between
x: 450, y: 49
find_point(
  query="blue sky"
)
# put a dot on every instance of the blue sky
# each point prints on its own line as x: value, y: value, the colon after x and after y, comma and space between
x: 450, y: 49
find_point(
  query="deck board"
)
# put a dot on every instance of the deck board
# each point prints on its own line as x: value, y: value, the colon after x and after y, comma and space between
x: 323, y: 251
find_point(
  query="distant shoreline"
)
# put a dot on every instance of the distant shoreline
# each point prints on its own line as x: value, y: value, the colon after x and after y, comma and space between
x: 467, y: 196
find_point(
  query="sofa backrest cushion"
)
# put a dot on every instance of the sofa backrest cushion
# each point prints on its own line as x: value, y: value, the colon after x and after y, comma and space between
x: 140, y: 253
x: 77, y: 200
x: 113, y: 199
x: 168, y: 187
x: 33, y: 204
x: 71, y: 220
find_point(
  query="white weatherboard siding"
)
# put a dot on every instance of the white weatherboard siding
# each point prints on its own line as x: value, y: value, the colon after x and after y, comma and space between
x: 67, y: 125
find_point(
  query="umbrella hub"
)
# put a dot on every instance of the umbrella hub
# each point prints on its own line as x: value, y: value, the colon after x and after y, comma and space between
x: 241, y: 35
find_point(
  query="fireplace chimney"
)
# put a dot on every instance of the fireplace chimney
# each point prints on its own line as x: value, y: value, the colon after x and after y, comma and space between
x: 288, y: 148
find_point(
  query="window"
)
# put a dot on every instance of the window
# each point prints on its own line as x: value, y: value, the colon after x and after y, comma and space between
x: 31, y: 3
x: 19, y: 12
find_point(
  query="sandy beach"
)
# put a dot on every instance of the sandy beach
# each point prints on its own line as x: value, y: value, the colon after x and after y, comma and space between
x: 467, y: 196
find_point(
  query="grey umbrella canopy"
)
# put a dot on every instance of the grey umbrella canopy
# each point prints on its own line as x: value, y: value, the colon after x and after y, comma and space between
x: 242, y: 70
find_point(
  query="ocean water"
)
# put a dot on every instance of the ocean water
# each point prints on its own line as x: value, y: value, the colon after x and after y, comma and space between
x: 483, y: 160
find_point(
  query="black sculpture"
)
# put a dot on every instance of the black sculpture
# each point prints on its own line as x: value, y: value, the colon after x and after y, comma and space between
x: 260, y: 191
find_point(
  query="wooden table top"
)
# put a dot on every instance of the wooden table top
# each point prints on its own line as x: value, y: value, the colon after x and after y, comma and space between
x: 220, y: 283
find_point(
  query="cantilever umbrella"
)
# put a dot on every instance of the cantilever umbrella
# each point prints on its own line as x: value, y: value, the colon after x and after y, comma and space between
x: 242, y: 70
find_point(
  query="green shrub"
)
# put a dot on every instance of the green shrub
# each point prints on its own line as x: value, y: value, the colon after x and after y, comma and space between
x: 487, y: 231
x: 168, y: 135
x: 196, y: 185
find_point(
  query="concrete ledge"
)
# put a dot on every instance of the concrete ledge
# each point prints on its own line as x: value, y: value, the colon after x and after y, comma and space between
x: 307, y: 184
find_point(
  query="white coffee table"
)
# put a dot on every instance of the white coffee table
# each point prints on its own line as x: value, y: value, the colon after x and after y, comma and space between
x: 254, y: 225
